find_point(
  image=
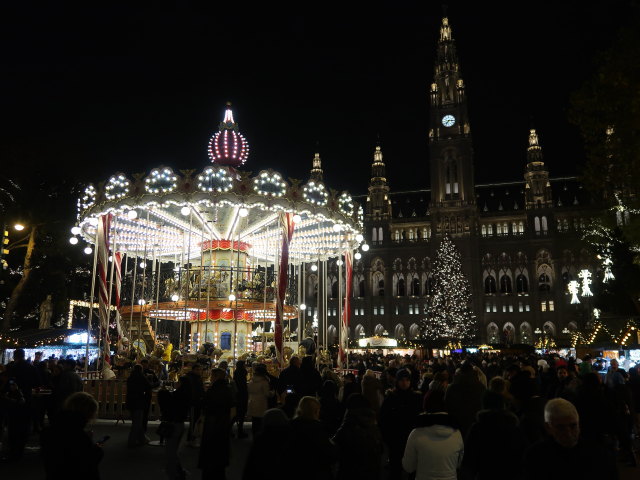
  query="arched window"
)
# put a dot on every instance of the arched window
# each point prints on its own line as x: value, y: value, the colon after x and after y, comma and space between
x: 398, y: 332
x: 379, y: 330
x: 489, y: 285
x: 483, y: 229
x: 400, y: 286
x: 499, y: 229
x: 505, y: 284
x: 380, y: 236
x: 520, y: 227
x: 490, y: 229
x: 536, y: 225
x: 544, y: 282
x: 225, y: 341
x: 359, y: 331
x: 522, y: 283
x: 332, y: 335
x: 415, y: 287
x: 414, y: 331
x: 361, y: 288
x: 396, y: 235
x: 334, y: 289
x: 492, y: 333
x: 374, y: 235
x: 505, y: 228
x: 525, y: 333
x: 544, y: 224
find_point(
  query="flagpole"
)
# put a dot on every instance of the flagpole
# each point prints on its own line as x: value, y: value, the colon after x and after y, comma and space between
x: 93, y: 288
x: 113, y: 262
x: 133, y: 296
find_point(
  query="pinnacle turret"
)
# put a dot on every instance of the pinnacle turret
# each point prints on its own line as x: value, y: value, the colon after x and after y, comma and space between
x: 316, y: 171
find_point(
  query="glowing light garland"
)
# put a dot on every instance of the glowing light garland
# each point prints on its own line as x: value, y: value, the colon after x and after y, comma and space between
x: 574, y: 289
x: 215, y: 180
x: 345, y: 204
x: 585, y: 275
x: 270, y: 184
x: 88, y: 197
x: 161, y: 180
x: 117, y: 187
x: 315, y: 193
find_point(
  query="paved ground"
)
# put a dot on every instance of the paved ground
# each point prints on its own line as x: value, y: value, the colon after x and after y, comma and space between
x: 142, y: 463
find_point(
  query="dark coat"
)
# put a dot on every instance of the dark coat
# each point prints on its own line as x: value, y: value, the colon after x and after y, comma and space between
x: 464, y: 399
x: 69, y: 382
x: 66, y: 439
x: 398, y: 415
x: 138, y: 391
x: 215, y: 447
x: 496, y: 432
x: 266, y: 460
x: 359, y: 442
x: 290, y: 377
x: 311, y: 451
x: 549, y: 460
x: 242, y: 392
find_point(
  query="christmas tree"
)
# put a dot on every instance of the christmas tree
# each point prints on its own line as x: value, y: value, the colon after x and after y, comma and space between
x: 449, y: 314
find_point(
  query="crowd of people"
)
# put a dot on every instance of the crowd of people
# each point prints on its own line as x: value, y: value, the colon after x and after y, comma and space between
x: 464, y: 416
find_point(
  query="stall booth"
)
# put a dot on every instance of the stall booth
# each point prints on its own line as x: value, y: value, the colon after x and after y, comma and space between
x: 52, y: 342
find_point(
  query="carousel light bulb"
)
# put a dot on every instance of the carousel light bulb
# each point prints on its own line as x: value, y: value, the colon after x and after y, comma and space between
x: 74, y: 230
x: 141, y: 301
x: 243, y: 212
x: 73, y: 240
x: 110, y: 258
x: 303, y: 307
x: 314, y: 268
x: 175, y: 297
x: 88, y: 250
x: 357, y: 256
x: 232, y: 297
x: 297, y: 218
x: 365, y: 247
x: 359, y: 238
x: 142, y: 264
x: 93, y: 221
x: 185, y: 211
x: 339, y: 262
x: 337, y: 227
x: 132, y: 214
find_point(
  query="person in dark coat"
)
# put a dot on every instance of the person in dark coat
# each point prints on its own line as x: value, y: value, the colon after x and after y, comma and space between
x: 138, y: 394
x: 463, y: 397
x: 359, y: 441
x: 267, y: 448
x: 242, y: 396
x: 174, y: 409
x: 67, y: 438
x: 25, y: 378
x: 290, y: 378
x: 68, y: 383
x: 197, y: 394
x: 331, y: 411
x: 217, y: 409
x: 311, y: 451
x: 495, y: 430
x: 398, y: 415
x: 349, y: 387
x: 564, y: 454
x: 311, y: 380
x: 593, y: 409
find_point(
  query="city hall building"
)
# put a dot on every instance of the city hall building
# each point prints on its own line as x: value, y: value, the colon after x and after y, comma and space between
x: 520, y: 241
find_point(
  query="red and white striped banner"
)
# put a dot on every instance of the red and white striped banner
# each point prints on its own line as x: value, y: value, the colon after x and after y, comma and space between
x: 102, y: 247
x: 346, y: 310
x: 286, y: 222
x: 117, y: 265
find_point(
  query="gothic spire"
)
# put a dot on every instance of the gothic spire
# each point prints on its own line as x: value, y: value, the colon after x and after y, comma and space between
x: 534, y: 151
x: 447, y: 86
x: 316, y: 171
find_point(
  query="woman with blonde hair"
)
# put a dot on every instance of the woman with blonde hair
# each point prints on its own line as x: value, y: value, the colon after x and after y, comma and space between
x: 310, y: 443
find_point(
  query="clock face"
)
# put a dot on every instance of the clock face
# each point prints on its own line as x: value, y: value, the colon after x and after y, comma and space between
x: 448, y: 120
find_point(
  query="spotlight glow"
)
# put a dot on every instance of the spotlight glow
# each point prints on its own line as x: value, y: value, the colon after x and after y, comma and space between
x: 365, y: 247
x: 73, y: 240
x: 185, y: 211
x: 88, y: 250
x: 132, y: 214
x: 74, y: 230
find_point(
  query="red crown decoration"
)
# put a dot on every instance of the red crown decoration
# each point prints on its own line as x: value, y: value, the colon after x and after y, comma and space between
x: 228, y: 146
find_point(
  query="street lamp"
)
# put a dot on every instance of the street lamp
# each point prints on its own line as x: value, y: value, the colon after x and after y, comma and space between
x: 18, y: 226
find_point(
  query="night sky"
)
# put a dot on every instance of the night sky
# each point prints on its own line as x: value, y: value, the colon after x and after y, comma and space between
x: 87, y: 92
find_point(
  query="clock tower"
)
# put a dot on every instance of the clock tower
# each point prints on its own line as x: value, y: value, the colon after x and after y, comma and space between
x: 452, y: 182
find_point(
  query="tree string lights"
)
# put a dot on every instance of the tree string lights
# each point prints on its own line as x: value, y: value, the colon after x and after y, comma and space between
x: 449, y: 314
x: 345, y: 203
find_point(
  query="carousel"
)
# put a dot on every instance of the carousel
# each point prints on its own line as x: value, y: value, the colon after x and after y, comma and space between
x: 206, y: 256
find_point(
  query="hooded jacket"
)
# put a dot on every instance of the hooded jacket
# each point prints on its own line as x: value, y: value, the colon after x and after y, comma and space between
x: 435, y: 449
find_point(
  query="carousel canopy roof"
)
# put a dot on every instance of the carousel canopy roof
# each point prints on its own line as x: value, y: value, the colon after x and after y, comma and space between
x: 170, y: 215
